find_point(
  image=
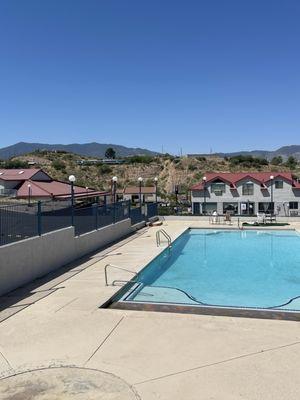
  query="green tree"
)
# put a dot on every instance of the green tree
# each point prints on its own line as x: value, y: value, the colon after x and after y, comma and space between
x: 110, y: 153
x: 291, y: 162
x: 277, y: 160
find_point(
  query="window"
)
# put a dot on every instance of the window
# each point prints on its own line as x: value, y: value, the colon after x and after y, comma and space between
x: 232, y: 208
x: 293, y: 205
x: 218, y: 188
x: 266, y: 207
x: 248, y: 189
x: 279, y: 184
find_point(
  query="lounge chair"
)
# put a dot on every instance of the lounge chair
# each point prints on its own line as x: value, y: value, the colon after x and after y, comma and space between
x: 261, y: 218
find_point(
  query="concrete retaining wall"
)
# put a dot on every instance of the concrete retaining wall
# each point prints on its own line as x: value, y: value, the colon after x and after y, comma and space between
x: 24, y: 261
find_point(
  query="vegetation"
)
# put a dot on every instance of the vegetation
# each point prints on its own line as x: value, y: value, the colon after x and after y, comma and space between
x: 248, y: 161
x: 58, y: 165
x: 14, y: 164
x: 139, y: 159
x: 110, y: 153
x: 291, y: 162
x: 277, y: 160
x: 105, y: 169
x: 171, y: 171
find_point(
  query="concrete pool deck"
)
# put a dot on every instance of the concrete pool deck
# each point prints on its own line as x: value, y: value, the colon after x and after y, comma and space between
x: 61, y: 345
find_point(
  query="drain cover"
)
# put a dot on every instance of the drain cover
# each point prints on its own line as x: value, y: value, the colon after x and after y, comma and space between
x: 65, y: 384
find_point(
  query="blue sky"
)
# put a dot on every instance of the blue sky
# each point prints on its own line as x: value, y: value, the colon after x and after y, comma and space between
x: 201, y: 75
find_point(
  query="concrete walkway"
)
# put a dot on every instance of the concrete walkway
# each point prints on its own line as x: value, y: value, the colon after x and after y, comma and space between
x: 62, y: 346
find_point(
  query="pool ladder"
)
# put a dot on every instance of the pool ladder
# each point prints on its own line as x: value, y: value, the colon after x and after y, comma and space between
x: 116, y: 280
x: 166, y: 235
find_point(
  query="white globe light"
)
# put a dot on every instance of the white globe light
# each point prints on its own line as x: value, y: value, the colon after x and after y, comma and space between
x: 204, y: 178
x: 156, y: 179
x: 72, y: 178
x: 140, y: 179
x: 272, y: 177
x: 114, y: 178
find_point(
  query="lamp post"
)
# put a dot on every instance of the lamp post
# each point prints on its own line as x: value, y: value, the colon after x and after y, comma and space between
x: 272, y: 205
x: 29, y: 193
x: 114, y: 184
x: 155, y: 182
x: 72, y: 179
x: 140, y: 179
x: 204, y: 195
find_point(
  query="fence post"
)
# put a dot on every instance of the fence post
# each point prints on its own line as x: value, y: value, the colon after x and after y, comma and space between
x: 114, y: 213
x: 39, y: 215
x: 95, y: 212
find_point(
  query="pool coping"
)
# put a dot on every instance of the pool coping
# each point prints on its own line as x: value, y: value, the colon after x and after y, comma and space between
x: 207, y: 310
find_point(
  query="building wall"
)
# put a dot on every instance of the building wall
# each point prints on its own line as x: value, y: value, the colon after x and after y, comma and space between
x: 8, y: 184
x: 281, y: 197
x: 24, y: 261
x: 145, y: 197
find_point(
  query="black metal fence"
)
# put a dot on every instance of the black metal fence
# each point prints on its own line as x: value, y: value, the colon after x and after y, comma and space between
x: 152, y: 210
x: 95, y: 217
x: 22, y: 221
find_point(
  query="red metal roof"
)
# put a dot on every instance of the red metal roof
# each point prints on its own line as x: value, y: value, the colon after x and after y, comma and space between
x: 233, y: 178
x: 18, y: 174
x: 53, y: 189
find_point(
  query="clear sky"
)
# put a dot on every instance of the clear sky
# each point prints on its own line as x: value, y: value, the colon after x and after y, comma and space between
x: 220, y: 74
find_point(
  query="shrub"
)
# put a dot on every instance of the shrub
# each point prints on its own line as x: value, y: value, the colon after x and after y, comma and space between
x: 140, y: 159
x: 276, y: 160
x: 291, y: 162
x: 105, y: 169
x: 14, y: 164
x: 58, y: 165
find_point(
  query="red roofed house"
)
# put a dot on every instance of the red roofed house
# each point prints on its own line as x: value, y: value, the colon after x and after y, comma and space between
x: 37, y: 184
x: 247, y: 193
x: 132, y: 193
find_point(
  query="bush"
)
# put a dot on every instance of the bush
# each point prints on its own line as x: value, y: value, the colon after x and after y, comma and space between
x: 192, y: 167
x: 58, y: 165
x: 105, y: 169
x: 248, y: 161
x: 140, y: 159
x: 291, y: 162
x: 14, y: 164
x: 276, y: 160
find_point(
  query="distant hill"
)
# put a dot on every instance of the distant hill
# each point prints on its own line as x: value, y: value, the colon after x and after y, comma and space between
x: 85, y: 149
x: 284, y: 152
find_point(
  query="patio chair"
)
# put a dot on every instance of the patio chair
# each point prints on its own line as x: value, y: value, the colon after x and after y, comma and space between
x: 261, y: 218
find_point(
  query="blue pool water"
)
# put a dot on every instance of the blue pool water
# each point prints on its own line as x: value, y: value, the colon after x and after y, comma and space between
x: 253, y: 269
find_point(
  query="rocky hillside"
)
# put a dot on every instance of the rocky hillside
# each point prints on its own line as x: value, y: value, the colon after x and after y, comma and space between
x: 170, y: 171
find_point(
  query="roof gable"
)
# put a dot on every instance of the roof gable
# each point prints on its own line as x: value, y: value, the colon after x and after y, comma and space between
x: 233, y: 178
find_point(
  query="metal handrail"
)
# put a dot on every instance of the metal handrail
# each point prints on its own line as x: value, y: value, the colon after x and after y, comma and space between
x: 166, y: 235
x: 116, y: 267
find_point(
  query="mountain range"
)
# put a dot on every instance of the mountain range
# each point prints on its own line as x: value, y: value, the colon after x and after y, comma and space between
x: 284, y: 152
x: 98, y: 150
x: 85, y: 149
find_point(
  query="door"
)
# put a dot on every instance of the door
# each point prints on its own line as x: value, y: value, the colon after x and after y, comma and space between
x: 196, y: 208
x: 247, y: 208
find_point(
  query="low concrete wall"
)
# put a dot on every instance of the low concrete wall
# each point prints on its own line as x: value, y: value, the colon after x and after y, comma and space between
x: 24, y: 261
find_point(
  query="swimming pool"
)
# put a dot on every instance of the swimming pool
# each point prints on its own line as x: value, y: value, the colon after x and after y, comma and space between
x: 253, y: 269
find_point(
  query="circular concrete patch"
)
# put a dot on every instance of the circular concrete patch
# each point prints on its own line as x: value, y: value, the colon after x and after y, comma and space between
x: 65, y: 384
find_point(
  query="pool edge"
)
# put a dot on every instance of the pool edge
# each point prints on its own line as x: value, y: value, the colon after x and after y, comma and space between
x: 212, y: 311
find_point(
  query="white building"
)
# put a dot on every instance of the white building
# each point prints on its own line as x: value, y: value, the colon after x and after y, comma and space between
x: 247, y: 193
